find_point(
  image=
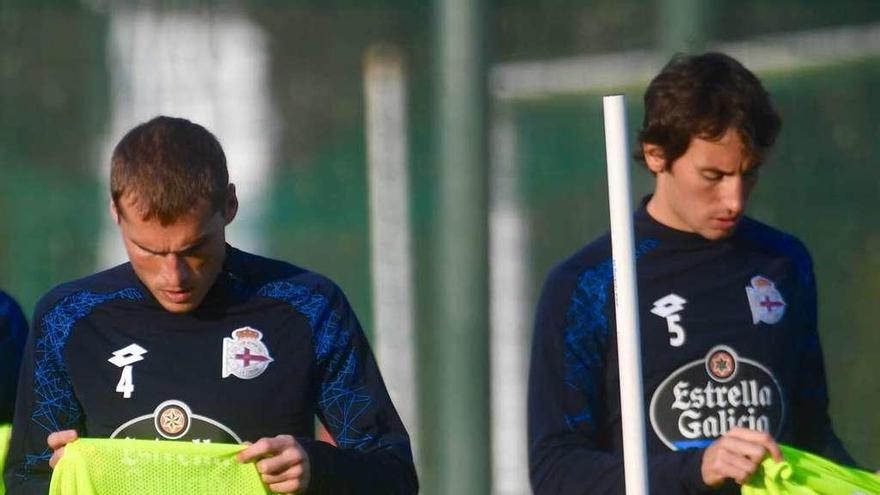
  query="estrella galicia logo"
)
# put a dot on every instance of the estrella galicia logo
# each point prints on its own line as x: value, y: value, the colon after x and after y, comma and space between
x: 174, y: 420
x: 704, y: 399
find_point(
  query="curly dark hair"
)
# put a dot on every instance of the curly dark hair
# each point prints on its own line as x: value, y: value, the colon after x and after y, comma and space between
x: 703, y: 96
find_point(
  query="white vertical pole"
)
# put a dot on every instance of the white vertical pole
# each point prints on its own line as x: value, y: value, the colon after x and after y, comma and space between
x: 510, y: 304
x: 626, y: 296
x: 390, y: 231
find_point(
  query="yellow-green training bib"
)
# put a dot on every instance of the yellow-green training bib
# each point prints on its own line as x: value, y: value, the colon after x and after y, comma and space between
x: 119, y: 467
x: 803, y: 473
x: 5, y: 433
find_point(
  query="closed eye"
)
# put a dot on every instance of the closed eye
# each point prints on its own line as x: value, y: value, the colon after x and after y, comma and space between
x: 712, y: 175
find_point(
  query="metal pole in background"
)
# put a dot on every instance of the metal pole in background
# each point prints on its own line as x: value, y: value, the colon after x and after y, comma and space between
x: 682, y: 25
x: 461, y: 262
x: 626, y: 296
x: 511, y: 308
x: 390, y: 228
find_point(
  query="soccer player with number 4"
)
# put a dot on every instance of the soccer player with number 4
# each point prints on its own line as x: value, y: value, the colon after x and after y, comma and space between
x: 730, y: 350
x: 194, y: 340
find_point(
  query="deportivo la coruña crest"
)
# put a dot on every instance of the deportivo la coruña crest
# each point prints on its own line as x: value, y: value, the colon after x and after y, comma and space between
x: 765, y: 301
x: 245, y: 355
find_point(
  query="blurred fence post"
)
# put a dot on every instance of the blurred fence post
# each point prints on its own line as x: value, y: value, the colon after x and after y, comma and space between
x: 682, y: 25
x: 511, y: 307
x: 461, y: 263
x: 391, y: 263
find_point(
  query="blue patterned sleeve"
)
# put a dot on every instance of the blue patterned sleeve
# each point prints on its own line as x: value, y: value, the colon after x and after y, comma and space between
x: 568, y: 432
x: 13, y: 333
x: 373, y: 451
x: 46, y: 399
x: 46, y: 402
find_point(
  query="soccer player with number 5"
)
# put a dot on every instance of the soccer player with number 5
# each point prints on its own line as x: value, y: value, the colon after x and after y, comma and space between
x: 730, y: 350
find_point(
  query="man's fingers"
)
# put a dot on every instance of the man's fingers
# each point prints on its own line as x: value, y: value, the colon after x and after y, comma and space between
x: 261, y: 448
x: 266, y: 447
x: 290, y: 486
x: 744, y: 448
x: 737, y: 473
x: 59, y: 439
x: 56, y: 456
x: 737, y: 455
x: 280, y: 463
x: 730, y: 464
x: 740, y: 466
x: 56, y: 441
x: 757, y: 437
x: 283, y: 465
x: 775, y: 451
x: 295, y: 472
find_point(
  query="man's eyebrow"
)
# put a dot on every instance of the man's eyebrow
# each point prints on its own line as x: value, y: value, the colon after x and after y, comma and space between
x: 196, y: 243
x: 189, y: 247
x: 145, y: 248
x: 719, y: 170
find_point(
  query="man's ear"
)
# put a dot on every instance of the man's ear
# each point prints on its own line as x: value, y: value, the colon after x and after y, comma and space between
x: 231, y: 206
x: 114, y: 213
x: 654, y: 157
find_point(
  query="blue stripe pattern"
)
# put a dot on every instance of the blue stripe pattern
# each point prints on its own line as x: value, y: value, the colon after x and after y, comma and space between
x: 586, y: 335
x: 343, y: 396
x: 56, y: 407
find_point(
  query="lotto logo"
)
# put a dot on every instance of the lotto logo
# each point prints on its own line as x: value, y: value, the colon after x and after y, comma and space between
x: 668, y: 307
x: 128, y: 355
x: 124, y: 358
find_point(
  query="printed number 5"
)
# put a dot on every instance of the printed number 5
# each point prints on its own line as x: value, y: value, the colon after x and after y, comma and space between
x: 126, y: 383
x: 676, y: 332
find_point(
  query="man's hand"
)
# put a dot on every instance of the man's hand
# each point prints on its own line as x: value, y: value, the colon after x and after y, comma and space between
x: 57, y: 440
x: 282, y: 463
x: 737, y: 455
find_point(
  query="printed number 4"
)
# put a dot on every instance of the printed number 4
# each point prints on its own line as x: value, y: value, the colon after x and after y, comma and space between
x: 126, y: 383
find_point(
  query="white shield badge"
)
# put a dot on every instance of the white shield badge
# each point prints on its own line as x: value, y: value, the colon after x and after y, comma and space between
x: 245, y: 355
x: 765, y: 301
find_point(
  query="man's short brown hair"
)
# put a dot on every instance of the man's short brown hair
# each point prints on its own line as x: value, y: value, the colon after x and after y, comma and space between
x: 701, y: 96
x: 166, y: 165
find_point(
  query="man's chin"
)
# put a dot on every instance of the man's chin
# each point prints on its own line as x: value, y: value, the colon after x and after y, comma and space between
x: 179, y: 307
x: 717, y: 234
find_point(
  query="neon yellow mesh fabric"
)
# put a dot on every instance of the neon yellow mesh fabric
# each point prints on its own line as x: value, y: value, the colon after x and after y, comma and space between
x: 5, y: 432
x: 803, y: 473
x: 120, y: 467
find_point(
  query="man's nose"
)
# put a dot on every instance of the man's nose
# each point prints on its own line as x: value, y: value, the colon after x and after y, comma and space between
x: 733, y: 195
x: 175, y: 270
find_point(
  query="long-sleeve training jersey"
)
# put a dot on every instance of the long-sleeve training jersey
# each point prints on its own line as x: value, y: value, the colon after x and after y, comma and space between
x: 271, y: 346
x: 13, y: 333
x: 728, y: 338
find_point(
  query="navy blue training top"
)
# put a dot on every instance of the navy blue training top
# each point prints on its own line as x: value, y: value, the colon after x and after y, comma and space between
x: 271, y: 347
x: 13, y: 333
x: 728, y: 338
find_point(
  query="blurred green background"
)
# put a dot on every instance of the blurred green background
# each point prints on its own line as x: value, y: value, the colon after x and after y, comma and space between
x: 59, y: 72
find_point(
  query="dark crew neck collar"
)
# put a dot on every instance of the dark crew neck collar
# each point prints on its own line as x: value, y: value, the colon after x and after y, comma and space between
x: 648, y: 226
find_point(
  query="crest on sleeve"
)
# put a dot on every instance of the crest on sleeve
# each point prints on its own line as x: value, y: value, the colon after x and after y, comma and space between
x: 245, y: 355
x: 765, y: 301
